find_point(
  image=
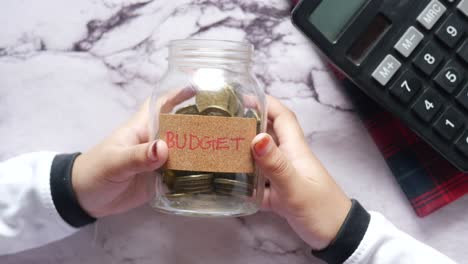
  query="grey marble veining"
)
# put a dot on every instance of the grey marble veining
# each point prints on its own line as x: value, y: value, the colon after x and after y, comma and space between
x: 71, y: 71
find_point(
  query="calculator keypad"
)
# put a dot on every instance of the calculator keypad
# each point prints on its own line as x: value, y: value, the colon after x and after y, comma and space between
x: 432, y: 55
x: 386, y: 70
x: 431, y: 14
x: 463, y: 7
x: 451, y: 31
x: 428, y: 105
x: 406, y: 87
x: 449, y: 124
x: 409, y: 42
x: 429, y: 58
x: 450, y: 77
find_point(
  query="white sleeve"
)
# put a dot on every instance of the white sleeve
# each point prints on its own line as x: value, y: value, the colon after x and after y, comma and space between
x: 28, y: 217
x: 383, y: 243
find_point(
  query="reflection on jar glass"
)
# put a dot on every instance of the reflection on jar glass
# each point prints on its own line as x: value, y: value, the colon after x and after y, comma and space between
x: 207, y: 107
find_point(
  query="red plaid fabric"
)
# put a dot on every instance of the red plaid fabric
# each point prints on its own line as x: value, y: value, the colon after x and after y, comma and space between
x: 427, y: 179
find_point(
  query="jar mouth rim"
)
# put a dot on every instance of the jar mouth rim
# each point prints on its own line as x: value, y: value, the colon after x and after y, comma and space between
x: 212, y: 43
x: 192, y: 51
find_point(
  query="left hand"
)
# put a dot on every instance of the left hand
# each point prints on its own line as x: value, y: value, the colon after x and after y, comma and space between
x: 301, y: 190
x: 117, y: 174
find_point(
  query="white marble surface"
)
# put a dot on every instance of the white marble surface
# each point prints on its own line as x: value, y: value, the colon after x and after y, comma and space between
x: 70, y: 71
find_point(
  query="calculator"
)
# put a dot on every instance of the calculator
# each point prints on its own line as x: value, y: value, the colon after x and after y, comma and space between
x: 411, y: 56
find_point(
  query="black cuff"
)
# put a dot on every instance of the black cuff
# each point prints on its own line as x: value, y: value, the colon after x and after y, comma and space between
x: 349, y: 236
x: 62, y: 191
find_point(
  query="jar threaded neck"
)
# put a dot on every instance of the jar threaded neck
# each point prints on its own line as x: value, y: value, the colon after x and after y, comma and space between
x: 221, y: 52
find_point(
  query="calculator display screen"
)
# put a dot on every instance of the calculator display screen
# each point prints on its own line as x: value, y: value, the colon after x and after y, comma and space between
x: 332, y: 16
x: 369, y: 39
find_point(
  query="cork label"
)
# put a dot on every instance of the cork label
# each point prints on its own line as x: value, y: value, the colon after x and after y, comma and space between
x: 208, y: 143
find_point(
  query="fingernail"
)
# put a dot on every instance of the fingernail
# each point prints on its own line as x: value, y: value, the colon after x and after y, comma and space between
x: 262, y: 146
x: 153, y: 155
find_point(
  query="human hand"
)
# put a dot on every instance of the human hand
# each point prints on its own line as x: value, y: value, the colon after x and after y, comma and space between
x: 301, y: 190
x: 115, y: 176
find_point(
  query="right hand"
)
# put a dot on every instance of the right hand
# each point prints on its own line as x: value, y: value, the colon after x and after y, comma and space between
x: 301, y: 190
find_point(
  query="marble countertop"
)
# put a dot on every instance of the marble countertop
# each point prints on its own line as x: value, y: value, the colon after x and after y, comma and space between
x: 71, y: 71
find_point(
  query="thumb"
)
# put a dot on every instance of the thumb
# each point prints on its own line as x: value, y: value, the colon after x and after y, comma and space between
x: 273, y: 163
x: 142, y: 157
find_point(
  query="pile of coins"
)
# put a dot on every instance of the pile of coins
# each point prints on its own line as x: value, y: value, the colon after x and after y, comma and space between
x: 183, y: 183
x: 224, y: 103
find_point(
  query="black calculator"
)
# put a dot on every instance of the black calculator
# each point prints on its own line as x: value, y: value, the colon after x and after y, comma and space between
x: 411, y: 56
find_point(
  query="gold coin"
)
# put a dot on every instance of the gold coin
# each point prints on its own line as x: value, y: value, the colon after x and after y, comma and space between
x: 234, y: 103
x: 205, y: 99
x: 193, y: 184
x: 206, y: 176
x: 177, y: 195
x: 233, y: 188
x: 188, y: 110
x: 242, y: 177
x: 168, y: 178
x: 216, y: 111
x: 200, y: 191
x: 232, y: 183
x: 253, y: 114
x: 233, y: 193
x: 194, y: 190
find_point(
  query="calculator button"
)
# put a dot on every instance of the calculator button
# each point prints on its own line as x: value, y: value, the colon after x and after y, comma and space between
x: 451, y: 31
x: 428, y: 105
x: 429, y: 58
x: 462, y: 144
x: 406, y: 87
x: 431, y: 14
x: 463, y: 52
x: 463, y: 7
x: 462, y: 98
x: 409, y: 42
x: 449, y: 124
x: 386, y: 70
x: 450, y: 77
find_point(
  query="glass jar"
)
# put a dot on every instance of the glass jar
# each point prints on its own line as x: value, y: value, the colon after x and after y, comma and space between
x: 208, y: 107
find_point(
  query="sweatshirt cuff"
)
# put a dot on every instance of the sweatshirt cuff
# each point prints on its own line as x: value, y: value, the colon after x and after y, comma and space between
x: 62, y: 229
x: 349, y: 236
x: 63, y: 196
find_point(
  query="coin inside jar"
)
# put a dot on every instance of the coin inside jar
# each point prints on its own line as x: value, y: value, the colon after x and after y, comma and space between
x: 232, y: 193
x: 168, y: 177
x: 226, y: 186
x: 234, y: 104
x: 242, y: 177
x: 177, y: 195
x: 231, y: 183
x: 189, y: 178
x: 193, y: 183
x: 188, y: 110
x: 226, y: 99
x: 216, y: 111
x: 224, y: 103
x: 253, y: 114
x: 205, y: 99
x: 200, y: 109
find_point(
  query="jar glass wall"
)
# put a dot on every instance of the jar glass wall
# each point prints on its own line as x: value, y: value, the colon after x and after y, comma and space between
x: 209, y: 79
